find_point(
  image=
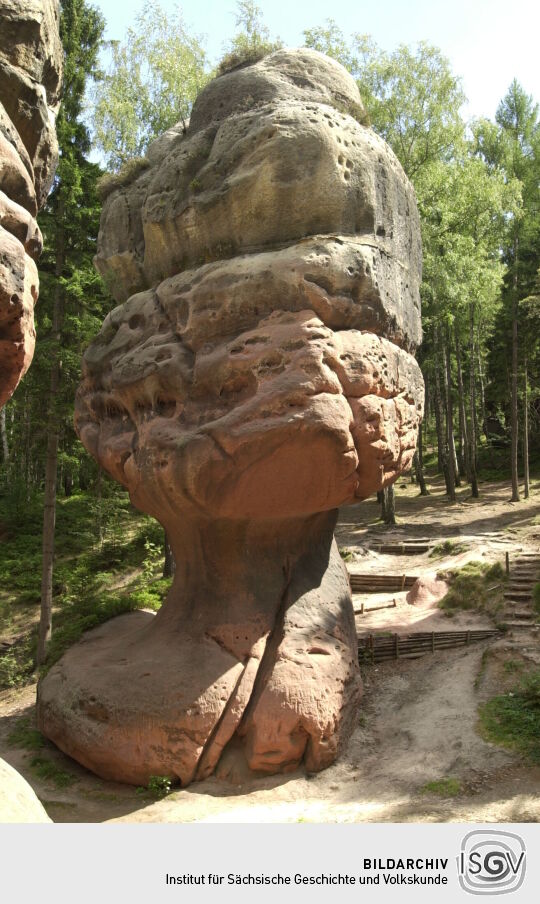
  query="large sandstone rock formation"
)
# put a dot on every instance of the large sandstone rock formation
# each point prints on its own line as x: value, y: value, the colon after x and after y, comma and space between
x: 18, y: 800
x: 30, y: 76
x: 256, y: 375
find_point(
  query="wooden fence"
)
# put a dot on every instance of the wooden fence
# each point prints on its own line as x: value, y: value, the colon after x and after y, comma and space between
x: 379, y: 583
x: 380, y: 647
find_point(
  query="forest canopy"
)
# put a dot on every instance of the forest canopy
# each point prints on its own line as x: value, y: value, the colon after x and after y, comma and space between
x: 477, y: 185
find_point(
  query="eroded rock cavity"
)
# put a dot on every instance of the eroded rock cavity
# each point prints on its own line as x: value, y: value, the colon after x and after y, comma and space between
x: 257, y: 375
x: 30, y: 77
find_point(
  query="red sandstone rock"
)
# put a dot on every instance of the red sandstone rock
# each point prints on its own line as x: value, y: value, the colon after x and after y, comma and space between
x: 251, y: 387
x: 30, y: 77
x: 427, y: 592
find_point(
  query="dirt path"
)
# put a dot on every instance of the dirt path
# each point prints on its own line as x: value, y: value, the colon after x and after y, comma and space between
x: 417, y: 723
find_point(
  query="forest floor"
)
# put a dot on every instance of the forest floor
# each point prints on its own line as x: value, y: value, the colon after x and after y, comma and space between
x: 418, y: 753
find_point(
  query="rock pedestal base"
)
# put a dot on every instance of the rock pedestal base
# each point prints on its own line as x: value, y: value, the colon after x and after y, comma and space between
x: 255, y: 648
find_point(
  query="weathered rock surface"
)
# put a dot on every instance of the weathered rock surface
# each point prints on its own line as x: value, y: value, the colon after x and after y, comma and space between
x: 259, y: 377
x: 18, y: 801
x: 30, y: 77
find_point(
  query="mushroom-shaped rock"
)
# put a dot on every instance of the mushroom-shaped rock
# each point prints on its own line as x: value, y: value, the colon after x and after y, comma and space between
x: 257, y: 375
x: 30, y: 77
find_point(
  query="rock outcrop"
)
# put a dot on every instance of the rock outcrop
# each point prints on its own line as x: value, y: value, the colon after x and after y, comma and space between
x: 30, y: 78
x: 257, y: 375
x: 18, y: 801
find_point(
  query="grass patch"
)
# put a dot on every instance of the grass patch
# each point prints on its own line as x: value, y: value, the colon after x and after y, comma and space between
x: 536, y: 599
x: 25, y: 735
x: 513, y: 666
x: 109, y: 560
x: 109, y: 182
x: 448, y: 548
x: 443, y: 787
x: 478, y: 586
x: 513, y: 719
x: 50, y: 772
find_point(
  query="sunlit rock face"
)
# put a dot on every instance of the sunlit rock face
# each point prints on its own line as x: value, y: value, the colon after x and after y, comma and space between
x: 18, y: 800
x: 30, y: 77
x: 257, y: 374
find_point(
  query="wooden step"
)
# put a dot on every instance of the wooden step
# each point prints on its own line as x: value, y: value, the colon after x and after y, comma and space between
x: 400, y: 549
x: 514, y: 625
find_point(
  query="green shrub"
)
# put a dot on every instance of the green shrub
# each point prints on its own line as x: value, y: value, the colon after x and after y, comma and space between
x: 471, y: 587
x: 158, y: 786
x: 25, y: 735
x: 513, y: 719
x: 109, y: 182
x: 536, y: 598
x: 50, y: 772
x: 448, y: 548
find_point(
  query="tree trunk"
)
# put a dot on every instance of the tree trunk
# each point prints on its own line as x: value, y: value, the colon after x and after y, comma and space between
x: 514, y: 421
x: 472, y: 399
x: 99, y: 508
x: 419, y: 465
x: 169, y: 565
x: 3, y: 432
x: 49, y: 520
x: 68, y: 483
x: 455, y: 481
x: 525, y: 436
x: 464, y: 440
x: 389, y: 515
x: 481, y: 383
x: 441, y: 439
x: 51, y: 466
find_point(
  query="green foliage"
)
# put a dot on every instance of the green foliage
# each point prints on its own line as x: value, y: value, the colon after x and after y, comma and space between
x: 252, y: 41
x: 152, y: 80
x: 513, y: 719
x: 159, y: 786
x: 412, y: 96
x: 93, y: 581
x: 443, y: 787
x: 471, y: 587
x: 17, y: 664
x: 109, y: 182
x: 48, y: 771
x: 536, y: 598
x: 346, y: 554
x: 447, y: 548
x: 25, y: 735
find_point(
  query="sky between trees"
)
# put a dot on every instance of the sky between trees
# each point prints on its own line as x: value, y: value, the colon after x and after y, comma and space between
x: 488, y: 42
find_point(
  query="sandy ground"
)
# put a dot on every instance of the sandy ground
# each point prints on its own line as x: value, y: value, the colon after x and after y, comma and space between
x: 418, y: 720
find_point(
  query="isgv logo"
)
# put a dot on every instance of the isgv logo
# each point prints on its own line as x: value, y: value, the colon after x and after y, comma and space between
x: 491, y: 862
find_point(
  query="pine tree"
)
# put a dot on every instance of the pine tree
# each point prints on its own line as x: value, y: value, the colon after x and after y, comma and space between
x: 70, y: 290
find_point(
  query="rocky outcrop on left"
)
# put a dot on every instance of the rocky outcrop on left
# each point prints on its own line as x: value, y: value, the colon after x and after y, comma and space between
x: 18, y: 801
x: 30, y: 81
